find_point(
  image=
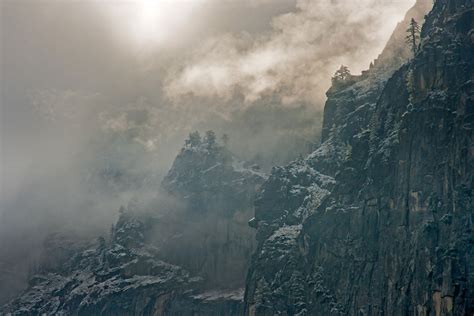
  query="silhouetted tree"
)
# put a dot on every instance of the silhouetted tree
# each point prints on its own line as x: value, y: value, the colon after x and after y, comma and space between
x: 413, y: 35
x: 225, y: 139
x: 194, y: 139
x: 341, y: 74
x: 210, y: 139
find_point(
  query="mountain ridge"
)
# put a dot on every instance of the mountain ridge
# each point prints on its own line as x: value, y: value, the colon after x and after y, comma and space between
x: 393, y: 235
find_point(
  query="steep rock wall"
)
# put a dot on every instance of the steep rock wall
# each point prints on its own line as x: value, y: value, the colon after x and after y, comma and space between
x: 183, y: 252
x: 393, y: 232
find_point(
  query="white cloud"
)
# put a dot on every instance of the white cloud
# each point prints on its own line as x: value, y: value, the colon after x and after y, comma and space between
x: 295, y: 61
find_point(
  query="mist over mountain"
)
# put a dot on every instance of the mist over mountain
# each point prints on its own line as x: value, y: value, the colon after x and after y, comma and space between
x: 205, y: 158
x: 87, y: 113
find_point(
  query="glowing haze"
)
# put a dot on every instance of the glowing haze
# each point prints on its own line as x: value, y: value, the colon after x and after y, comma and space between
x: 208, y: 59
x: 149, y: 23
x: 292, y: 57
x: 296, y: 58
x: 76, y: 99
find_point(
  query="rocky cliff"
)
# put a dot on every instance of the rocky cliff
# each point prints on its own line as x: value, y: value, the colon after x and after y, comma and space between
x: 379, y: 219
x: 183, y: 252
x: 216, y: 193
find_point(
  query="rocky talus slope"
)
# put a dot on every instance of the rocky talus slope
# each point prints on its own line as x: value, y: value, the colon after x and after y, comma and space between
x: 185, y: 252
x: 379, y: 219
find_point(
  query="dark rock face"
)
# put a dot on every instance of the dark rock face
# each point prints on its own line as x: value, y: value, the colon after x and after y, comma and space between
x: 379, y: 219
x: 185, y: 253
x: 119, y: 278
x: 210, y: 236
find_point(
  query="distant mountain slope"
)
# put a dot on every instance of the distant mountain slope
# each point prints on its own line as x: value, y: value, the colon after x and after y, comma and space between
x: 184, y: 252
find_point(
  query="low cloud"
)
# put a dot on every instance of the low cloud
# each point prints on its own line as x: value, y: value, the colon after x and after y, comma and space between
x: 85, y: 126
x: 296, y: 59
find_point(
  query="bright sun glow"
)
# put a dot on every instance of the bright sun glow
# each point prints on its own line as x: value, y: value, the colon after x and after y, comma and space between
x: 157, y: 20
x: 152, y: 22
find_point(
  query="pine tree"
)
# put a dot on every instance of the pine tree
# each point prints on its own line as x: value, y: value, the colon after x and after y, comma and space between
x: 194, y: 139
x: 225, y: 139
x: 413, y: 35
x: 341, y: 74
x: 210, y: 139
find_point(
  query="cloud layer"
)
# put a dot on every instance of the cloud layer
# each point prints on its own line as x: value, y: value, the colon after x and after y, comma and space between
x: 295, y: 61
x: 85, y: 124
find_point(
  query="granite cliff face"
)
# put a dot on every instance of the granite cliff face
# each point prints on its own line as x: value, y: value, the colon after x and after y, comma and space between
x: 185, y: 252
x: 379, y: 219
x: 216, y: 191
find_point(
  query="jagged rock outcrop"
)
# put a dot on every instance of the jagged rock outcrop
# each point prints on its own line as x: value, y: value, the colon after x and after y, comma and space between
x: 117, y: 278
x: 184, y: 252
x: 390, y: 230
x: 377, y: 221
x: 395, y: 54
x: 216, y: 192
x: 352, y: 101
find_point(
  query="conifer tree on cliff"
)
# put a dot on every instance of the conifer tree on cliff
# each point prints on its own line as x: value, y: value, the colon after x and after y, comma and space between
x: 225, y: 139
x: 413, y: 35
x: 341, y: 74
x: 210, y: 139
x: 194, y: 139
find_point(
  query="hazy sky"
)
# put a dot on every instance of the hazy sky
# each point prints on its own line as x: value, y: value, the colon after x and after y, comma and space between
x: 97, y: 89
x: 70, y: 60
x: 88, y: 84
